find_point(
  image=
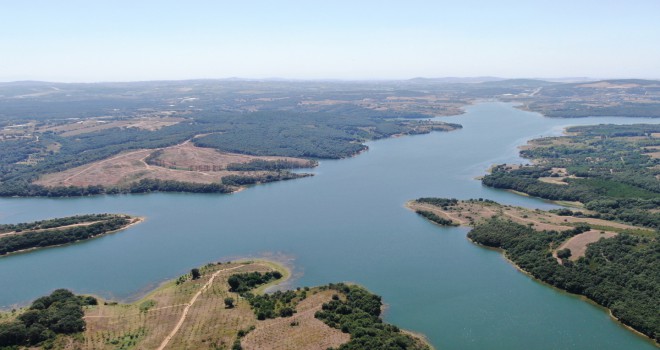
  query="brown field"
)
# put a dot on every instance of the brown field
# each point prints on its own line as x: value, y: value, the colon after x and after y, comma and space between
x: 174, y: 164
x: 309, y: 333
x: 95, y: 124
x: 192, y: 315
x: 578, y: 244
x: 468, y: 213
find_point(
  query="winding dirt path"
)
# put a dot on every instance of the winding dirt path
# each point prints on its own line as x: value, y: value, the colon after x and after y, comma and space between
x: 190, y: 304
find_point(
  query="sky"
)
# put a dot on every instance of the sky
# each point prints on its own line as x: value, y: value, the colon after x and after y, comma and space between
x: 99, y: 40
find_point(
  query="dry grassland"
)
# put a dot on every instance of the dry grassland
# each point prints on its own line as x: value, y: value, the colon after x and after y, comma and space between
x: 192, y: 315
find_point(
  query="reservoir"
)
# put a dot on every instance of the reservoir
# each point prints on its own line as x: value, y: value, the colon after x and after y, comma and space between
x: 347, y: 223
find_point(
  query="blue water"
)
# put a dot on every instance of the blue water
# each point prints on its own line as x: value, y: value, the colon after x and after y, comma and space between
x: 347, y: 223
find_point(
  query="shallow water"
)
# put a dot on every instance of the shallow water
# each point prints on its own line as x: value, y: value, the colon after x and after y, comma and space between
x: 347, y: 223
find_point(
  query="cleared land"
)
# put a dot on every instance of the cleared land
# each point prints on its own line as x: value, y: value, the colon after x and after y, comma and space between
x: 184, y: 162
x: 578, y: 244
x: 191, y: 314
x: 468, y: 213
x: 300, y: 331
x: 79, y: 127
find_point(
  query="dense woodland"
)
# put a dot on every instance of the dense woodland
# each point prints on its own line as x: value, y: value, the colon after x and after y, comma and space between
x: 52, y: 234
x: 435, y: 218
x: 59, y: 313
x: 609, y: 171
x: 244, y: 282
x: 620, y: 273
x: 359, y: 315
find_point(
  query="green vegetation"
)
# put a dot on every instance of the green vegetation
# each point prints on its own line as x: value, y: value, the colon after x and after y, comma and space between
x: 435, y: 218
x: 608, y: 168
x: 243, y: 282
x: 439, y: 202
x: 359, y: 315
x: 620, y: 273
x: 242, y: 180
x: 266, y: 165
x: 278, y: 133
x: 52, y: 223
x: 278, y: 304
x: 128, y: 340
x: 55, y: 234
x: 59, y: 313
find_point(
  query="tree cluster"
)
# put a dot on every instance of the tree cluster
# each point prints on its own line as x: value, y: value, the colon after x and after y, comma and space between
x: 359, y: 316
x: 59, y: 313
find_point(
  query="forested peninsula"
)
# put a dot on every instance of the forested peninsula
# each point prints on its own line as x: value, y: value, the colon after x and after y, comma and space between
x: 613, y: 264
x: 53, y: 232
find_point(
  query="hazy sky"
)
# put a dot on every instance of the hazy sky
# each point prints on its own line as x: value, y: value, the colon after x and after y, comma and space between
x: 97, y: 40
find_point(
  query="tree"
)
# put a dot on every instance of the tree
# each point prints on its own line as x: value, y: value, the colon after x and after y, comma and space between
x: 195, y: 274
x: 564, y: 253
x: 229, y: 302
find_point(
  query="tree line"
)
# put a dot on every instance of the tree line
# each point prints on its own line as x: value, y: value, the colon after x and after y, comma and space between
x: 57, y: 236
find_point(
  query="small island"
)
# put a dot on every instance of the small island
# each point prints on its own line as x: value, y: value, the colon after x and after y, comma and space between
x: 217, y: 306
x: 54, y: 232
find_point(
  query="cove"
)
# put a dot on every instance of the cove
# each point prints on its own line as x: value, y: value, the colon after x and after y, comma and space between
x: 347, y: 223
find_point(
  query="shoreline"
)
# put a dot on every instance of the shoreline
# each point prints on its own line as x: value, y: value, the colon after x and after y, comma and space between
x: 241, y: 188
x: 503, y: 253
x: 136, y: 220
x: 579, y: 296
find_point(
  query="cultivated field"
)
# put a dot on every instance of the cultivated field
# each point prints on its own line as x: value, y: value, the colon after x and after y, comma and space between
x: 184, y: 162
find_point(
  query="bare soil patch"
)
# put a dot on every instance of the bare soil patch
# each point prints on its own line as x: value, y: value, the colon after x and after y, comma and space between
x: 300, y: 331
x: 578, y: 244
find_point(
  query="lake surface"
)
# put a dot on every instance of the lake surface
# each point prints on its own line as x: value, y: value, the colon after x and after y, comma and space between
x: 347, y: 223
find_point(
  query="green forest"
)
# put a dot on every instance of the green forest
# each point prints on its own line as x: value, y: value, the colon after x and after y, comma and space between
x: 620, y: 273
x: 359, y: 316
x: 49, y: 233
x: 608, y: 170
